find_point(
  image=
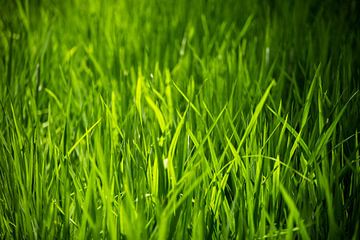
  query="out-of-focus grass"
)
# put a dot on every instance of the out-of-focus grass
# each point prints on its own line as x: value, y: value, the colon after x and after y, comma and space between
x: 179, y: 119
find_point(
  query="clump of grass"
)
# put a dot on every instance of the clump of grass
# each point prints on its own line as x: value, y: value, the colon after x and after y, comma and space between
x: 155, y: 120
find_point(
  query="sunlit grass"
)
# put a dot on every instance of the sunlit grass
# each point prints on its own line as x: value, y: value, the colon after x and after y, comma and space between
x: 176, y: 120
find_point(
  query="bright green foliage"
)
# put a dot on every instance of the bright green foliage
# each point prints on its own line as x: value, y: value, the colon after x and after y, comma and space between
x: 158, y: 119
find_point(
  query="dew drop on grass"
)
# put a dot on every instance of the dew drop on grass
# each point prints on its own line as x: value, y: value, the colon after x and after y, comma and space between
x: 166, y: 163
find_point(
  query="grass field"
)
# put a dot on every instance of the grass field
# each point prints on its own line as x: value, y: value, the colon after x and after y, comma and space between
x: 157, y: 119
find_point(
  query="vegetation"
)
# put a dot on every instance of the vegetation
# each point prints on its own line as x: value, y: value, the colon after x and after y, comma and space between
x: 182, y: 119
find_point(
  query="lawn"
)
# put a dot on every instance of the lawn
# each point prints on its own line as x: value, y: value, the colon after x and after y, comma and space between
x: 159, y: 119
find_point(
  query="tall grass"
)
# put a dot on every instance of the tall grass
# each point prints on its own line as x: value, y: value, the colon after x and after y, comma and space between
x: 179, y: 119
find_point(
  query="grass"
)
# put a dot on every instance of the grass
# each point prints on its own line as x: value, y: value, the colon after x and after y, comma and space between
x: 176, y: 120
